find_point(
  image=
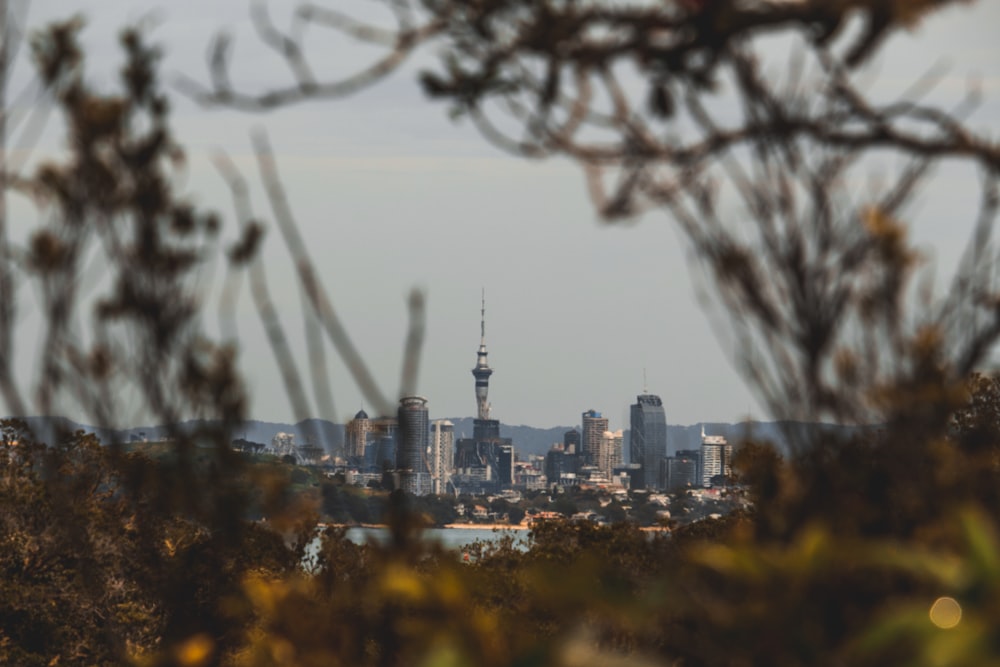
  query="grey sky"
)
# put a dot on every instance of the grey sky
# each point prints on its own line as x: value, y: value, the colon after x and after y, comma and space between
x: 390, y: 194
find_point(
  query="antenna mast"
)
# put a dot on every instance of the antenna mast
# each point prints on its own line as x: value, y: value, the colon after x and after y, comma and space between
x: 482, y: 371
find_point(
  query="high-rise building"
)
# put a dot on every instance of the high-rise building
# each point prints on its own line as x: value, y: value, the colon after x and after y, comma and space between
x: 610, y: 452
x: 716, y: 457
x: 648, y: 441
x: 571, y: 442
x: 358, y: 430
x: 412, y: 467
x: 442, y: 451
x: 618, y: 449
x: 594, y: 426
x: 559, y: 462
x: 413, y: 434
x: 503, y: 462
x: 682, y: 470
x: 380, y: 451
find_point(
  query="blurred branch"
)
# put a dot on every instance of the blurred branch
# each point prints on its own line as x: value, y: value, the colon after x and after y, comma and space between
x: 399, y: 43
x: 261, y: 296
x: 14, y: 402
x: 414, y: 344
x: 313, y: 289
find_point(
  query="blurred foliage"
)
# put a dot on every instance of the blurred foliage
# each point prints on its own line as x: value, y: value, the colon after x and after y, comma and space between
x: 873, y: 546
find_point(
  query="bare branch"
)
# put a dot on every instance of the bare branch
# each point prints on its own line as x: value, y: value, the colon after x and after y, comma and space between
x: 307, y: 275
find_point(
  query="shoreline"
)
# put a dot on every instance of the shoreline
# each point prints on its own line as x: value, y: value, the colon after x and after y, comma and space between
x: 457, y: 526
x: 487, y: 526
x: 498, y: 527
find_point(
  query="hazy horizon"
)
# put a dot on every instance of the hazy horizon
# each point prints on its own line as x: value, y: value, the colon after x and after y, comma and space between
x: 391, y: 195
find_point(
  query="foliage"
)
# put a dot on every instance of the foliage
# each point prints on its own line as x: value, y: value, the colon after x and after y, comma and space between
x: 876, y: 547
x: 852, y: 537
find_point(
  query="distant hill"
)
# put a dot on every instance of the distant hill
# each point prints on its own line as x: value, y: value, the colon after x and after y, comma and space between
x: 527, y: 439
x: 321, y: 432
x: 532, y: 440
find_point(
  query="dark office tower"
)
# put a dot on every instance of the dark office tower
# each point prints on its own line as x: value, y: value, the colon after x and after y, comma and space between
x: 504, y: 456
x: 571, y: 441
x: 482, y: 371
x: 380, y: 451
x: 594, y: 426
x: 413, y: 434
x: 559, y: 462
x: 648, y: 445
x: 381, y: 454
x: 682, y: 471
x: 486, y: 429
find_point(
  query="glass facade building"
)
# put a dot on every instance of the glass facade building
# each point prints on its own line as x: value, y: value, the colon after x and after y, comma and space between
x: 414, y: 433
x: 683, y: 471
x: 648, y: 442
x: 571, y: 441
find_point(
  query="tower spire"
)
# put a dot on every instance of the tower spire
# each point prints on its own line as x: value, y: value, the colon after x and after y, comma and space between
x: 482, y: 371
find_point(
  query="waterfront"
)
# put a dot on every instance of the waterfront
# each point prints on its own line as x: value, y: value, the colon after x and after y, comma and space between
x: 449, y: 537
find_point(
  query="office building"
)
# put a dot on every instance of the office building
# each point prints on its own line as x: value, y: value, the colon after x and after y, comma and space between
x: 413, y: 434
x: 683, y: 471
x: 716, y: 458
x: 442, y: 453
x: 571, y: 441
x: 648, y: 439
x: 609, y: 454
x: 594, y: 426
x: 559, y: 462
x: 358, y: 430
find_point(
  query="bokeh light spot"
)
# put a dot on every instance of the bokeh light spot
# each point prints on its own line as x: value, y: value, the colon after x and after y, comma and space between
x: 946, y: 613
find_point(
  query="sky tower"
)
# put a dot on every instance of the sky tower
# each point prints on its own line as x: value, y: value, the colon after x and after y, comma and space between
x: 482, y: 371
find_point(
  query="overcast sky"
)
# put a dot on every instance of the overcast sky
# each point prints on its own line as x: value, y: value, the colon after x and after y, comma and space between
x: 390, y: 195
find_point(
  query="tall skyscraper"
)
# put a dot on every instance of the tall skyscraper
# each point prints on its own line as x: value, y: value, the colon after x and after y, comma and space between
x: 594, y: 426
x: 413, y: 434
x: 648, y: 443
x: 357, y: 434
x: 610, y: 452
x: 442, y: 448
x: 716, y: 457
